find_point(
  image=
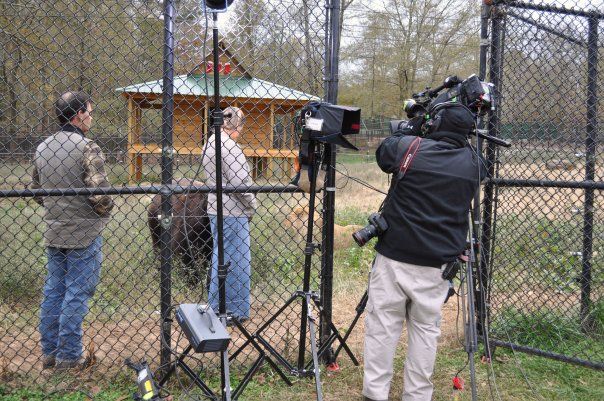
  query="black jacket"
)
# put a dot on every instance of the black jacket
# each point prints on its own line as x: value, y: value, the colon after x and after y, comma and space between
x: 427, y: 211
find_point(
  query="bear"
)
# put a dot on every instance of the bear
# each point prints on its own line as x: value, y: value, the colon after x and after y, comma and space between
x: 191, y: 231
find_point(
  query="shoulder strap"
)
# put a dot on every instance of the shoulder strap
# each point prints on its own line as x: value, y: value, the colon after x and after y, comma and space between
x: 408, y: 158
x: 403, y: 167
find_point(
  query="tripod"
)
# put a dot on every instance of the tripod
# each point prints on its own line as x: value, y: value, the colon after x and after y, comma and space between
x: 309, y: 299
x: 470, y: 332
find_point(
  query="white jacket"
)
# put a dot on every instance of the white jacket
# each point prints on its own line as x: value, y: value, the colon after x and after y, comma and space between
x: 235, y: 172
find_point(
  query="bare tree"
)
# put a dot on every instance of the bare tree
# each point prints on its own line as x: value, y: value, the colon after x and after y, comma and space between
x: 413, y: 43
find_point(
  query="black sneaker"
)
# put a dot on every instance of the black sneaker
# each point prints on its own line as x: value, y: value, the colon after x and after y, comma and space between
x: 48, y: 362
x: 231, y: 320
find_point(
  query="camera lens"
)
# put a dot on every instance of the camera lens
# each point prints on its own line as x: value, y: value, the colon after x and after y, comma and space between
x: 362, y: 236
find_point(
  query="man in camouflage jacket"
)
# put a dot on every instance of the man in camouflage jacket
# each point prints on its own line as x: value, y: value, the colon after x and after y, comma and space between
x: 73, y: 238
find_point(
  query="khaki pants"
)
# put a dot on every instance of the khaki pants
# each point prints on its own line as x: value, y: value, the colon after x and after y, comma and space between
x: 398, y: 292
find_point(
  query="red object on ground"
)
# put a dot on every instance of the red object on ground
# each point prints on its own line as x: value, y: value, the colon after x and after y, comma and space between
x: 458, y: 383
x: 333, y: 367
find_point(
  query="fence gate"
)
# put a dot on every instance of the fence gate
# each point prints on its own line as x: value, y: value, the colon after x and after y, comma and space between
x: 543, y: 210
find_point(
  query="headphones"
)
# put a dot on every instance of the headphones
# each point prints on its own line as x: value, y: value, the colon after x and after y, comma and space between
x: 434, y: 123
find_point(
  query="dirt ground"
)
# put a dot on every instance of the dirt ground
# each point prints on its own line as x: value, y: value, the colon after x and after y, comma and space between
x: 110, y: 343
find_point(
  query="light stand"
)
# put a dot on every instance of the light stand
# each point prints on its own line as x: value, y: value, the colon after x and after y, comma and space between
x: 218, y: 120
x: 217, y: 6
x: 214, y: 7
x: 308, y: 298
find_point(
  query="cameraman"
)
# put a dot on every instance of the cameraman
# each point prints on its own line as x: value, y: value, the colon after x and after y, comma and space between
x: 427, y: 215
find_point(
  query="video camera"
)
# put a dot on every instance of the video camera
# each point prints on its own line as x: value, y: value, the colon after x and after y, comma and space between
x: 474, y: 94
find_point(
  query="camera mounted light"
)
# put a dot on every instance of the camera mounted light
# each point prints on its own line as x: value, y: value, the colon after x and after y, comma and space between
x: 329, y: 123
x: 217, y: 6
x: 322, y: 123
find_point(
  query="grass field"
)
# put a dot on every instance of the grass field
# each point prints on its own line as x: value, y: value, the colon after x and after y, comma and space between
x: 129, y: 293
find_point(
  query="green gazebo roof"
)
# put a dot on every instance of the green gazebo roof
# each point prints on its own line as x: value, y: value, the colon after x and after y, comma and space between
x: 230, y: 86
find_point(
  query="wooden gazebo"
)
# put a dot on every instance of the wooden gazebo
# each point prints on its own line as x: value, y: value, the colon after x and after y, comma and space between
x: 268, y: 135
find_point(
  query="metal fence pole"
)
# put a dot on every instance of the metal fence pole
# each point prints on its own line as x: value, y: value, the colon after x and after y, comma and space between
x: 329, y: 196
x: 494, y: 75
x: 166, y: 177
x: 590, y: 167
x: 482, y: 271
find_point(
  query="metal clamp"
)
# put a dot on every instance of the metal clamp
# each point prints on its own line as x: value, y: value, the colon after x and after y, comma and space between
x: 223, y: 270
x: 310, y: 248
x: 165, y: 222
x: 168, y: 152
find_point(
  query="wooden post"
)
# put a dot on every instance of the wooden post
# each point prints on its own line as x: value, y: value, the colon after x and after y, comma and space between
x: 136, y: 137
x: 271, y: 164
x: 130, y: 152
x: 135, y: 160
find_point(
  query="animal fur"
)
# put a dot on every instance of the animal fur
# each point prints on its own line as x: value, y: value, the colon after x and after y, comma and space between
x: 191, y: 231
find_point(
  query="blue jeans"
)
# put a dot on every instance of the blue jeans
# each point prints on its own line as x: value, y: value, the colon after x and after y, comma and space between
x: 73, y: 275
x: 236, y: 231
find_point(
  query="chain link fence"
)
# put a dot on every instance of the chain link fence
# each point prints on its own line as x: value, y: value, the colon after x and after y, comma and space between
x: 272, y: 61
x: 543, y: 212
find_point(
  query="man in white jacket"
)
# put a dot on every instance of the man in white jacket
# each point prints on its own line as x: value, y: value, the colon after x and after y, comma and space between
x: 238, y: 209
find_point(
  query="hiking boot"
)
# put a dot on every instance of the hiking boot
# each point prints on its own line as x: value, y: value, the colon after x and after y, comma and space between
x: 48, y: 362
x: 75, y: 365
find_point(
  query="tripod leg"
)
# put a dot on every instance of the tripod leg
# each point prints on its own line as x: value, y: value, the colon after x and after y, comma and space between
x: 279, y: 371
x: 360, y: 309
x: 333, y: 336
x: 265, y: 343
x: 238, y: 351
x: 272, y: 319
x: 198, y: 382
x: 302, y: 342
x: 172, y: 366
x: 248, y: 376
x: 470, y: 326
x: 313, y: 348
x: 226, y: 375
x: 251, y: 340
x: 343, y: 344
